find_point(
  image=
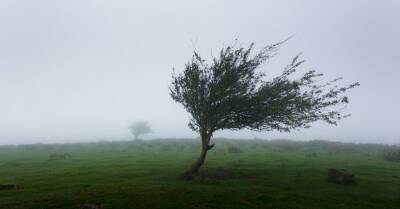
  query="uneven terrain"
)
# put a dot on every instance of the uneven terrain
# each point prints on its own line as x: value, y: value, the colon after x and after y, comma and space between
x: 276, y: 174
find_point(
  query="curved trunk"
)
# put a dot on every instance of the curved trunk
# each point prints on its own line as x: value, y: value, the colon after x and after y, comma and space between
x: 200, y: 161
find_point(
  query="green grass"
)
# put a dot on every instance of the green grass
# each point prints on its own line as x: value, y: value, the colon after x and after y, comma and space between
x: 145, y: 174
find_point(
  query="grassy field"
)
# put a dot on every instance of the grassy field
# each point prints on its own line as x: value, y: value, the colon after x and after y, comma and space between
x: 145, y: 174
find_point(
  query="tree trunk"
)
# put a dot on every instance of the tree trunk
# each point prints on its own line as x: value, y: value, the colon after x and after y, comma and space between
x: 200, y: 161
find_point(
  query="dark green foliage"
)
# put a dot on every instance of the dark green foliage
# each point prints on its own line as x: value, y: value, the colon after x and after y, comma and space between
x: 230, y: 93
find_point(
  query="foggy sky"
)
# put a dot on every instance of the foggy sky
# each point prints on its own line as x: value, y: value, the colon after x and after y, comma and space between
x: 83, y: 70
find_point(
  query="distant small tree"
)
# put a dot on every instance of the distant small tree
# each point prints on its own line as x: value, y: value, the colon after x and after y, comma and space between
x: 229, y: 93
x: 140, y: 128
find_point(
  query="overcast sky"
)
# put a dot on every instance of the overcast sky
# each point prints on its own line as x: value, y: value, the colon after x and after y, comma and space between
x: 83, y: 70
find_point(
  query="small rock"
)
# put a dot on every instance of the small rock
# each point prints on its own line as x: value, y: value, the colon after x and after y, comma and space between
x: 7, y: 186
x: 340, y: 176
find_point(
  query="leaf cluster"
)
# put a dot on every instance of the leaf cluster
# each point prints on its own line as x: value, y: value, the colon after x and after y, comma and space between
x: 231, y: 93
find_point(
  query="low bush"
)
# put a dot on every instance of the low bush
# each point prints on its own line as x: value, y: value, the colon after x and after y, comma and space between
x: 393, y: 155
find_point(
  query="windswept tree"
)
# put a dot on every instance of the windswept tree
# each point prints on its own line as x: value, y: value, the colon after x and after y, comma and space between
x: 231, y: 93
x: 140, y: 128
